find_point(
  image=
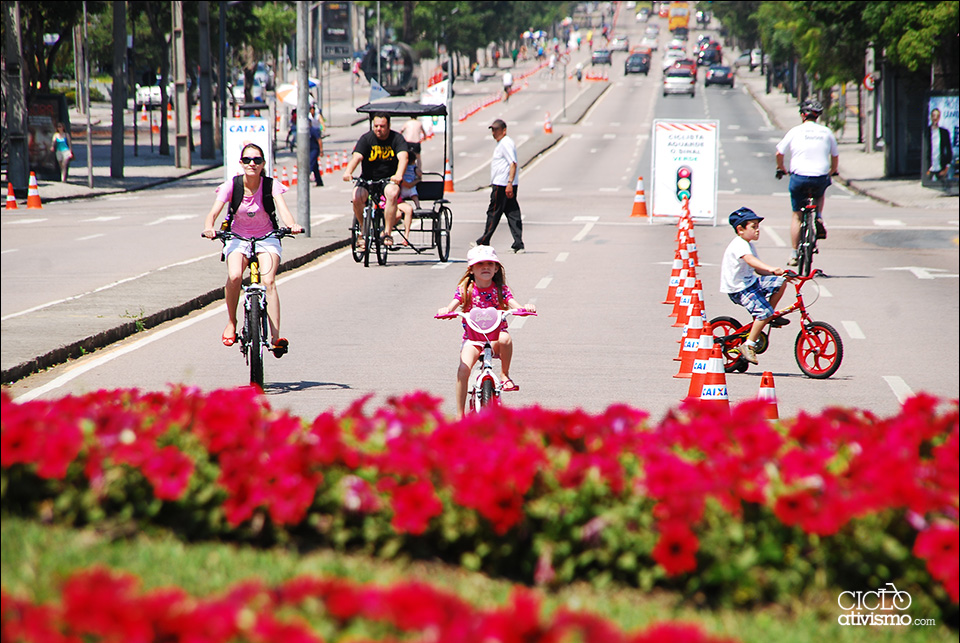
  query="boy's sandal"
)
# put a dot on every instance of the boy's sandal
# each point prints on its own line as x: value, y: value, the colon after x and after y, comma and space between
x: 280, y: 347
x: 387, y: 240
x: 509, y: 385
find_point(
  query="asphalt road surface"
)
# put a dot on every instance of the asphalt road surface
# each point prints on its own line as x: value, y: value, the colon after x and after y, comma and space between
x: 596, y: 275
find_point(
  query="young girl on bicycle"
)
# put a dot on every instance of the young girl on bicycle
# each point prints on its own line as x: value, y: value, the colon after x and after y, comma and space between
x: 252, y: 220
x: 483, y: 285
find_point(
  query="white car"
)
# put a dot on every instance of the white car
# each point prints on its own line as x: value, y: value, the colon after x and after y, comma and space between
x: 649, y: 43
x: 620, y: 43
x: 256, y: 94
x: 671, y: 57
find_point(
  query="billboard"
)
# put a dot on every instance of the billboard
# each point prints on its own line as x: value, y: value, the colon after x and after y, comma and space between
x: 685, y: 165
x: 237, y: 132
x: 941, y: 129
x: 335, y: 40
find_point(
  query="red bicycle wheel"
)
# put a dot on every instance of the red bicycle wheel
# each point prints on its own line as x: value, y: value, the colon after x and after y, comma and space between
x: 725, y: 334
x: 819, y: 350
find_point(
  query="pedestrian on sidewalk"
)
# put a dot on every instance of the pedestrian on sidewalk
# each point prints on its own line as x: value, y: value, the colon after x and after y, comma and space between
x: 507, y: 85
x: 316, y: 151
x: 504, y: 177
x: 63, y: 149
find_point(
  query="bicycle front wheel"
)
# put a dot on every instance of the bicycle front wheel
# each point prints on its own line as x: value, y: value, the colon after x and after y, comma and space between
x: 819, y: 350
x: 725, y: 335
x: 441, y: 231
x: 486, y: 393
x: 355, y: 236
x: 256, y: 320
x: 369, y: 234
x: 378, y: 226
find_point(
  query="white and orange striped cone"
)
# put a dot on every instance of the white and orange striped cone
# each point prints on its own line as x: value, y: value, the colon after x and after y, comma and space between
x: 345, y: 161
x: 11, y: 197
x: 698, y: 371
x: 714, y: 389
x: 685, y: 302
x: 639, y: 201
x: 329, y: 168
x: 678, y: 292
x: 33, y: 194
x: 448, y: 179
x: 768, y: 394
x: 283, y: 178
x: 336, y: 162
x: 691, y: 343
x: 547, y: 125
x: 674, y: 279
x: 143, y: 113
x: 294, y: 181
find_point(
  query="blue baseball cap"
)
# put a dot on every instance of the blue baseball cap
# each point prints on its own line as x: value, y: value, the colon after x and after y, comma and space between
x: 741, y: 216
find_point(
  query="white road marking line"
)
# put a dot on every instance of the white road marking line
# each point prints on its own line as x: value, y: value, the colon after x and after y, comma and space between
x: 102, y: 288
x: 323, y: 218
x: 562, y: 257
x: 172, y: 217
x: 92, y: 236
x: 543, y: 283
x: 9, y: 251
x: 26, y: 221
x: 853, y: 330
x: 551, y: 189
x: 98, y: 219
x: 888, y: 223
x: 899, y: 387
x: 609, y: 189
x: 776, y: 238
x: 823, y: 290
x: 79, y: 370
x: 588, y: 226
x: 609, y: 137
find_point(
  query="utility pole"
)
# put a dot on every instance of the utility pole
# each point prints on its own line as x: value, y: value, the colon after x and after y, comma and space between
x: 182, y: 129
x: 871, y: 98
x: 118, y: 96
x: 303, y: 117
x: 13, y: 89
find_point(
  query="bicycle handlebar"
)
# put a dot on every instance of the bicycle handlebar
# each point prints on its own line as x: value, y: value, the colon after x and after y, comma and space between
x: 225, y: 235
x: 517, y: 312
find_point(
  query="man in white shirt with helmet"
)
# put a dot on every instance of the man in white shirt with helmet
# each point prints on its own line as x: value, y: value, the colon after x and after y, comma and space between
x: 814, y: 158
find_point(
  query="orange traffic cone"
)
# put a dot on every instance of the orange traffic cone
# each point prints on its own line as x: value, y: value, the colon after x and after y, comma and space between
x: 284, y: 180
x: 336, y: 162
x: 345, y: 161
x: 548, y: 125
x: 639, y: 201
x: 143, y: 114
x: 33, y: 193
x: 686, y: 301
x: 11, y: 198
x: 698, y: 371
x: 714, y: 388
x: 448, y: 179
x: 768, y: 393
x: 674, y: 278
x: 329, y: 168
x: 294, y: 182
x: 691, y: 344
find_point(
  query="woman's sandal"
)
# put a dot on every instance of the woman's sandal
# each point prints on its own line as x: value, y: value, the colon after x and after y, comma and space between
x: 509, y: 385
x: 229, y: 340
x: 387, y: 240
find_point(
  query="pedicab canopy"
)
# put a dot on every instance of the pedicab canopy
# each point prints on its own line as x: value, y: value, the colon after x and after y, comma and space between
x: 403, y: 108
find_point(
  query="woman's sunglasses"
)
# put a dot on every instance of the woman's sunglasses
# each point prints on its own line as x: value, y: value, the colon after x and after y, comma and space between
x: 247, y: 160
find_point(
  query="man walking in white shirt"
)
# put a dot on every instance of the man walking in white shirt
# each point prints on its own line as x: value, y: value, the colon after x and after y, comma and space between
x: 504, y: 177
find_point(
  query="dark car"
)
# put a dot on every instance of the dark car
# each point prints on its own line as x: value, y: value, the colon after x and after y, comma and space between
x: 709, y: 57
x: 719, y: 75
x: 601, y: 57
x: 637, y: 64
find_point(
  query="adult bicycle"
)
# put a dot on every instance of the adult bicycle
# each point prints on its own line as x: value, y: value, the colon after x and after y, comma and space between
x: 253, y: 336
x: 818, y: 348
x: 485, y: 387
x: 811, y: 229
x: 369, y: 233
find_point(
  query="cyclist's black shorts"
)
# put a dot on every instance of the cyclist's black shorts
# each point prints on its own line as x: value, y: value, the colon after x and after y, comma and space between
x: 802, y: 186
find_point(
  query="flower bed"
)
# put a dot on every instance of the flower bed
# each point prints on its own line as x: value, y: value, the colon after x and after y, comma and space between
x: 724, y: 505
x: 100, y: 605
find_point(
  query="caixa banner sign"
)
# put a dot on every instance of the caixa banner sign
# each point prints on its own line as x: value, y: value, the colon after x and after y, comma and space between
x: 884, y: 606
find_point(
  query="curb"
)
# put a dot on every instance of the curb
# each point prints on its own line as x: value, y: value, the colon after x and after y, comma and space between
x: 123, y: 331
x: 145, y: 186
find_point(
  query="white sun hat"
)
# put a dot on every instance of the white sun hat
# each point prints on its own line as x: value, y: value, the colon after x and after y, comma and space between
x: 482, y: 253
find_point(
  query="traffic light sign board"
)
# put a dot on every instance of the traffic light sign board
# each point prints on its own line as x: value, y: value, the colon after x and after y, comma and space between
x: 684, y: 182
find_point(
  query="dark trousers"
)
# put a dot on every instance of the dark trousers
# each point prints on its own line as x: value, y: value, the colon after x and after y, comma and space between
x: 500, y: 204
x: 315, y: 168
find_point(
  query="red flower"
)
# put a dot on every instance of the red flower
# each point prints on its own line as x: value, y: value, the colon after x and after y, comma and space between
x: 414, y: 504
x: 676, y: 549
x: 169, y: 471
x: 940, y: 547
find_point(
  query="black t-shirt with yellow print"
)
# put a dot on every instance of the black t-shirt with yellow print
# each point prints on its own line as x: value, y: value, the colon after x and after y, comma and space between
x: 380, y: 157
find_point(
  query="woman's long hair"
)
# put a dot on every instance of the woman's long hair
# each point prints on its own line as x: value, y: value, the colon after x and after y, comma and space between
x: 467, y: 281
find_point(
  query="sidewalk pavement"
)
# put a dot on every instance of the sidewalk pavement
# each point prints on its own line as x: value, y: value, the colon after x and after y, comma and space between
x: 861, y: 172
x: 67, y: 330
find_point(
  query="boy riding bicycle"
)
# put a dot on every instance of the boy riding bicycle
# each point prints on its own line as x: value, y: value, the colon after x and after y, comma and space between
x: 748, y: 281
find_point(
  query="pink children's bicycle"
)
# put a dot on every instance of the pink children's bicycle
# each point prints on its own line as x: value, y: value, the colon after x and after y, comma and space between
x: 485, y: 387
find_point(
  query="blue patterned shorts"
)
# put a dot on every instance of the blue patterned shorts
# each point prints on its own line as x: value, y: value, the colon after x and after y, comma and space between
x: 755, y: 297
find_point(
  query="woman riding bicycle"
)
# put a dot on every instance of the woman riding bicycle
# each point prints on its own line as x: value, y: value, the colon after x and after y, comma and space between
x: 814, y: 158
x: 254, y: 217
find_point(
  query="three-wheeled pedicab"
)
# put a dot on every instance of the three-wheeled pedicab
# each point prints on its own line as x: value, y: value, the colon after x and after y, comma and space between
x: 430, y: 226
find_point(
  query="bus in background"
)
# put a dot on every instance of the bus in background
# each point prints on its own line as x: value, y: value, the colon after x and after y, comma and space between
x: 679, y: 15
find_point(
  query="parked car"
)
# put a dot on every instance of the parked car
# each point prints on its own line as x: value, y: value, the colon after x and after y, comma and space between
x: 671, y: 57
x: 649, y: 43
x: 256, y: 94
x: 637, y: 64
x: 678, y: 80
x: 601, y: 57
x: 620, y: 43
x: 719, y: 75
x: 643, y: 15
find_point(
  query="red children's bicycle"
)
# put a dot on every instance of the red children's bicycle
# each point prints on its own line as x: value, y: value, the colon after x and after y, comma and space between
x: 818, y: 349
